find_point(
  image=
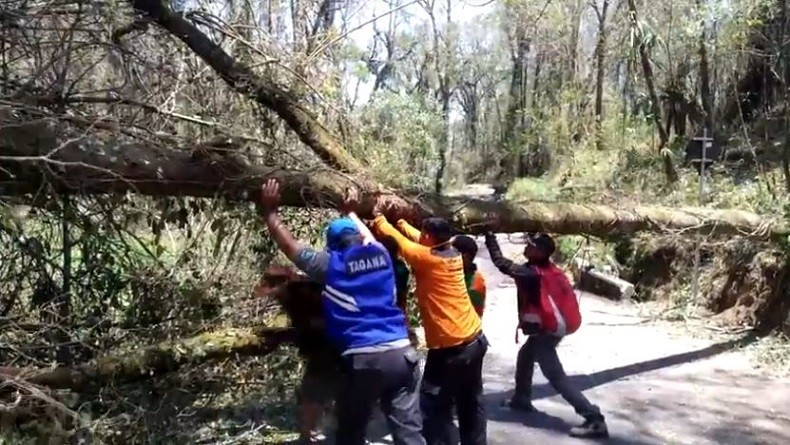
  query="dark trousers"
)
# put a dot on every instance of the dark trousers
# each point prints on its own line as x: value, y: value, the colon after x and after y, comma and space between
x: 390, y: 377
x: 453, y: 377
x: 542, y: 348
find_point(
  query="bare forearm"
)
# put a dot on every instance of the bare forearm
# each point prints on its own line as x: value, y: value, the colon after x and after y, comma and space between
x: 410, y: 231
x: 281, y: 235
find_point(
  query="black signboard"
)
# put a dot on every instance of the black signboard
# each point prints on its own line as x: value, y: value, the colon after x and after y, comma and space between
x: 694, y: 153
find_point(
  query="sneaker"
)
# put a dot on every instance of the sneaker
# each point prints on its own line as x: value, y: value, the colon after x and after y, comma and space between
x: 518, y: 404
x: 591, y: 429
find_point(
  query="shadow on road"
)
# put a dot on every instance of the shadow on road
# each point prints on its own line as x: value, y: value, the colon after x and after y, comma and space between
x: 545, y: 421
x: 587, y: 381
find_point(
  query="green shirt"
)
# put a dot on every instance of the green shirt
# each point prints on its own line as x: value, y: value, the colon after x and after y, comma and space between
x: 401, y: 277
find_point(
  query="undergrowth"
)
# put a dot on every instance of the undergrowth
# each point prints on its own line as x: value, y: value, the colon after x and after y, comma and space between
x: 140, y: 271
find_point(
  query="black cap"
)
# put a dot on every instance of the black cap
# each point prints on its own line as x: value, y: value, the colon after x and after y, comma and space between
x: 465, y: 244
x: 439, y: 228
x: 543, y: 242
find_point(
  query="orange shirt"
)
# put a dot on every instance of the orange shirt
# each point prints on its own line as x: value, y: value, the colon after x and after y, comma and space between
x: 447, y: 313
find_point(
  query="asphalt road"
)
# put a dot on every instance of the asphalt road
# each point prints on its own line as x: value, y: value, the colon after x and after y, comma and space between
x: 655, y: 383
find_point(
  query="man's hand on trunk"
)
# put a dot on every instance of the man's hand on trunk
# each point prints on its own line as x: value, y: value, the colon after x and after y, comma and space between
x: 350, y: 201
x: 270, y: 196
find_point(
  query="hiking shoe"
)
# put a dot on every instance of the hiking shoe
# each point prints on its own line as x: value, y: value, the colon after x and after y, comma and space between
x: 517, y: 404
x: 591, y: 429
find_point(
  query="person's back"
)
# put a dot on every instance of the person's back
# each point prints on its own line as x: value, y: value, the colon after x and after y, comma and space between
x: 453, y: 331
x: 476, y: 286
x: 362, y: 321
x: 358, y: 295
x: 448, y: 317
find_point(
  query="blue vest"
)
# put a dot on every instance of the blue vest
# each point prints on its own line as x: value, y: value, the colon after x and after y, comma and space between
x: 359, y: 298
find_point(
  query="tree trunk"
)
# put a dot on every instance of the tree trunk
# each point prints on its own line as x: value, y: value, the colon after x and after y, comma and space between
x: 573, y: 66
x: 445, y: 91
x: 600, y: 56
x: 85, y: 166
x: 159, y: 359
x: 784, y: 66
x: 444, y: 144
x: 704, y: 73
x: 514, y: 125
x: 655, y: 107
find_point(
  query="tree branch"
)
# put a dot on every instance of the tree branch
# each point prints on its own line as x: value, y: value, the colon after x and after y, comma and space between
x: 244, y: 81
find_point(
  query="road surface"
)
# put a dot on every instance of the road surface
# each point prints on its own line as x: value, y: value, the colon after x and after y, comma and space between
x: 655, y: 384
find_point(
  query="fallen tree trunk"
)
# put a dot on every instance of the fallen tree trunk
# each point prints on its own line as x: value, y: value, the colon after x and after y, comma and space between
x: 32, y: 156
x: 467, y: 213
x: 87, y: 166
x: 162, y: 358
x: 299, y: 297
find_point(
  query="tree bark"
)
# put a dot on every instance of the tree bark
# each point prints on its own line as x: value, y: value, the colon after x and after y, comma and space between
x: 86, y: 166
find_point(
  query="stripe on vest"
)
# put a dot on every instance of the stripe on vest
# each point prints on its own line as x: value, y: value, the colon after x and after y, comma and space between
x: 345, y: 301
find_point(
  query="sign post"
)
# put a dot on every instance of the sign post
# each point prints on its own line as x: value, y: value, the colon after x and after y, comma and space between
x: 706, y: 147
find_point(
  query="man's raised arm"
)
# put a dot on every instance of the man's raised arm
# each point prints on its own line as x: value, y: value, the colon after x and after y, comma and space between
x: 307, y: 259
x: 413, y: 253
x: 505, y: 265
x: 410, y: 231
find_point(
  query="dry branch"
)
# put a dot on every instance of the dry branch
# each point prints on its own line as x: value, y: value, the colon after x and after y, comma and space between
x: 300, y: 298
x: 242, y: 79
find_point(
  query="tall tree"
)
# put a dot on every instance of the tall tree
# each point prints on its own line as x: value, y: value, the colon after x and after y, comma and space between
x: 655, y: 105
x: 443, y: 60
x: 600, y: 69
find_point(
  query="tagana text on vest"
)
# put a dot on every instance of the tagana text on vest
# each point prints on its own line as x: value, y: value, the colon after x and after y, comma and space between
x: 359, y: 298
x: 558, y: 313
